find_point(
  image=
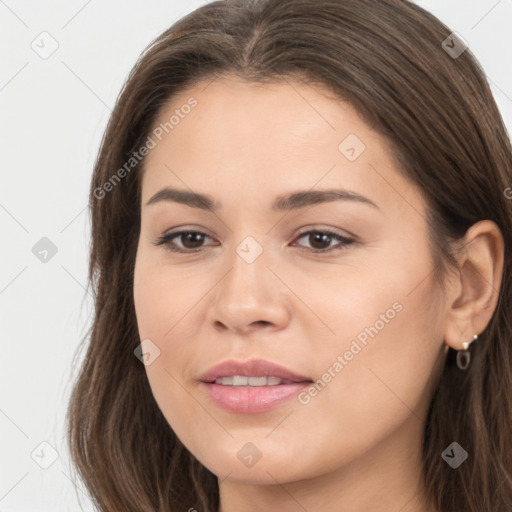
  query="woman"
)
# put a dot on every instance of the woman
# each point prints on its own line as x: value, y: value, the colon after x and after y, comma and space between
x: 301, y: 232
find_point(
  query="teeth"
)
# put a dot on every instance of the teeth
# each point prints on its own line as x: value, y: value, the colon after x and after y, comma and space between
x: 258, y: 381
x: 225, y: 381
x: 241, y: 380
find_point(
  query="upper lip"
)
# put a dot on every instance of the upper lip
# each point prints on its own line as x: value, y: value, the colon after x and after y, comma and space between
x: 252, y: 368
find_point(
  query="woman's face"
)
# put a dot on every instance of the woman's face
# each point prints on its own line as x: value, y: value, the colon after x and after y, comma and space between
x: 355, y: 313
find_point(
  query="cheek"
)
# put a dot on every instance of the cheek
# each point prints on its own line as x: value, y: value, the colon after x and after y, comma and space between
x: 376, y: 373
x: 387, y: 357
x: 162, y: 296
x: 164, y: 300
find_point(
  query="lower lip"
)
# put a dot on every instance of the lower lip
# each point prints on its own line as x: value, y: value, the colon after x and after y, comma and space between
x: 252, y: 399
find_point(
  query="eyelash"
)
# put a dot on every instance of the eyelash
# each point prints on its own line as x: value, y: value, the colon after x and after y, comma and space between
x: 166, y: 239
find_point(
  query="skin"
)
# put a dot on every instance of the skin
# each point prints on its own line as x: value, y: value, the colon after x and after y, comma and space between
x: 356, y: 445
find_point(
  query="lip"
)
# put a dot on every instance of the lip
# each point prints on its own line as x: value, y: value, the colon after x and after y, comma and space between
x: 244, y: 399
x: 252, y: 399
x: 251, y: 368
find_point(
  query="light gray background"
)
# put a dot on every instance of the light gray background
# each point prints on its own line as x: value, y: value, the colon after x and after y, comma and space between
x: 53, y: 114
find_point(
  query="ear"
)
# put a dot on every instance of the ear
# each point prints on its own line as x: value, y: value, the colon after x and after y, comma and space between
x: 473, y: 293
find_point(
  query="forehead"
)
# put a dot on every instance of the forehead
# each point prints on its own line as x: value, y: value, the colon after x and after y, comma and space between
x: 270, y: 137
x: 299, y: 114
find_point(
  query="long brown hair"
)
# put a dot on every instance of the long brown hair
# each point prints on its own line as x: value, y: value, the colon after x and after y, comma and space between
x: 387, y: 58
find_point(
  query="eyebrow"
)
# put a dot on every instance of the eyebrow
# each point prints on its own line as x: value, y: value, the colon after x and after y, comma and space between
x: 293, y: 201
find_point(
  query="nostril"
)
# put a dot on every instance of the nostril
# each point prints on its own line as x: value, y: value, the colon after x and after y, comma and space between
x: 219, y: 325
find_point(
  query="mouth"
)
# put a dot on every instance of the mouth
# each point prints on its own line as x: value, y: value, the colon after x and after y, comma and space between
x: 254, y: 386
x: 255, y: 372
x: 242, y: 380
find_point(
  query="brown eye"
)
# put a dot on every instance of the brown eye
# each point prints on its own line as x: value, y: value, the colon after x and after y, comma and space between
x: 320, y: 241
x: 191, y: 241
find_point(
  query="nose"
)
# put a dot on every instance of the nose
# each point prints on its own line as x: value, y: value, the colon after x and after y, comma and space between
x: 250, y: 297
